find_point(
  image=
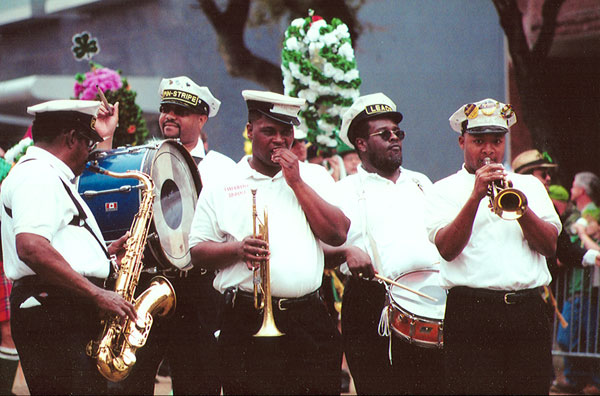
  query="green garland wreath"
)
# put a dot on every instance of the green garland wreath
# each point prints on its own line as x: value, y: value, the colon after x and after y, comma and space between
x: 318, y: 64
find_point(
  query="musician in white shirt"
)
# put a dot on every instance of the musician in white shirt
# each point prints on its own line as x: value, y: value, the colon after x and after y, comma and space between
x: 297, y: 196
x: 385, y: 203
x: 496, y: 326
x: 54, y: 251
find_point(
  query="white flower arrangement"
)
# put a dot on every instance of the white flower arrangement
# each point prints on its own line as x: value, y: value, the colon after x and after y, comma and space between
x: 318, y: 64
x: 14, y: 153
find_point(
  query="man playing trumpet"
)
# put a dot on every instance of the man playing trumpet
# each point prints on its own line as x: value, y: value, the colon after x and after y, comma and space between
x: 297, y: 196
x: 496, y: 328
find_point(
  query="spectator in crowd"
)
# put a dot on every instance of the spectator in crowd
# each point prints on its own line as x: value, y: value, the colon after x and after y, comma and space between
x: 351, y: 161
x: 532, y: 162
x: 579, y: 305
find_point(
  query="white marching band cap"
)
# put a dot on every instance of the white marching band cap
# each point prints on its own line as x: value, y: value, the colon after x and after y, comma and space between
x: 184, y: 92
x: 76, y: 113
x: 485, y: 116
x: 367, y: 106
x: 278, y: 107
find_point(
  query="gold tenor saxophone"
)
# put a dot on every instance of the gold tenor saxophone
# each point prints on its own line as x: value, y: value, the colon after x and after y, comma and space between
x: 115, y: 349
x: 262, y: 281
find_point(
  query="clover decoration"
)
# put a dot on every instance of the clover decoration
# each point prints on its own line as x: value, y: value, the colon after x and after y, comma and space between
x: 318, y: 64
x: 85, y: 47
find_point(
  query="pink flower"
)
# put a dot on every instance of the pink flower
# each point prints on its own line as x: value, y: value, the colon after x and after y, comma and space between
x: 106, y: 79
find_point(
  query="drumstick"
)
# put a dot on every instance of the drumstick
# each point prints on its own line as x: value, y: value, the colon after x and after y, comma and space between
x: 383, y: 278
x: 561, y: 318
x: 103, y: 98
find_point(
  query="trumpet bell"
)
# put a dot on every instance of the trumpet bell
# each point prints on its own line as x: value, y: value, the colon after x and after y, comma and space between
x: 510, y: 204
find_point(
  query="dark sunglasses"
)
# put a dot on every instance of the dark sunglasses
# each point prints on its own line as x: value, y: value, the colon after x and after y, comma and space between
x: 177, y: 110
x: 544, y: 173
x: 386, y: 134
x: 91, y: 143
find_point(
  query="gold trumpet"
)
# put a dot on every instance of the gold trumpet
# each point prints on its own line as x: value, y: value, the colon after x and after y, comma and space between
x: 506, y: 201
x: 261, y: 277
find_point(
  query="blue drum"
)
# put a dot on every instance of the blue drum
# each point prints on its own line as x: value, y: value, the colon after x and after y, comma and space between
x: 116, y: 201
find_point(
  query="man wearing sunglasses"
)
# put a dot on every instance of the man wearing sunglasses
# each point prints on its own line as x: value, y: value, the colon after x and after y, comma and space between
x: 534, y: 163
x: 496, y: 326
x: 185, y: 340
x: 55, y: 253
x: 385, y: 204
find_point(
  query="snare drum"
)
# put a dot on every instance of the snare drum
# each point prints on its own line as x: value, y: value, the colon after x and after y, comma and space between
x: 114, y: 202
x: 414, y: 318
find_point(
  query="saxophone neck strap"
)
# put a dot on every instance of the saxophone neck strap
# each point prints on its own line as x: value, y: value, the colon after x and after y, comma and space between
x: 79, y: 219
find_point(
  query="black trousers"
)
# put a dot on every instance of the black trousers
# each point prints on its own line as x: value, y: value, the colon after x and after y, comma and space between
x: 306, y: 360
x: 184, y: 339
x: 415, y: 369
x: 51, y: 339
x: 492, y: 347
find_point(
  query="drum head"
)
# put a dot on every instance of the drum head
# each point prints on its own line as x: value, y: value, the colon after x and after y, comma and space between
x: 177, y: 186
x: 424, y: 281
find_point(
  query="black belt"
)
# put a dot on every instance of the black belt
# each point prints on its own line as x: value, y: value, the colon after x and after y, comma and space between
x: 37, y: 282
x: 280, y: 303
x: 503, y: 296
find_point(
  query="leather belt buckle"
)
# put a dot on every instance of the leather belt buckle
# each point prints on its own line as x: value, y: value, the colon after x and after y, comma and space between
x: 506, y: 297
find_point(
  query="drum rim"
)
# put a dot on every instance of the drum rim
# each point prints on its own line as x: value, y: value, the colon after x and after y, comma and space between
x: 155, y: 246
x: 395, y: 305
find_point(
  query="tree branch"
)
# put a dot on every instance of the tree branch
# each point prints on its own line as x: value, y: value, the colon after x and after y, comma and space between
x: 550, y: 10
x: 239, y: 61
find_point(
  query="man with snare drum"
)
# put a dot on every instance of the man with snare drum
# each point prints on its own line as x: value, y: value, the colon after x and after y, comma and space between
x: 387, y: 237
x: 496, y: 326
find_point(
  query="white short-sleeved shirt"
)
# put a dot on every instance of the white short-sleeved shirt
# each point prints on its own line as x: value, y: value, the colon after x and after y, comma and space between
x: 198, y: 151
x: 214, y: 166
x: 224, y: 214
x: 395, y: 217
x: 497, y: 255
x: 40, y: 205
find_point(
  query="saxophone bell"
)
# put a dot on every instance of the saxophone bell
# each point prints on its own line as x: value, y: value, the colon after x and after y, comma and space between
x: 115, y: 349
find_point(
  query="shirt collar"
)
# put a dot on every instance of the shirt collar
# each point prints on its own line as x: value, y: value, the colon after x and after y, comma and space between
x: 35, y: 152
x: 247, y: 172
x: 364, y: 174
x: 198, y: 151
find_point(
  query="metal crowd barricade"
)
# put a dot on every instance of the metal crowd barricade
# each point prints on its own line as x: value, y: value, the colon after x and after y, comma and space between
x: 580, y: 307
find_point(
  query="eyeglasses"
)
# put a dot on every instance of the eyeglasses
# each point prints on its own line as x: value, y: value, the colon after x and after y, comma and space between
x: 386, y: 134
x: 177, y: 110
x: 544, y: 173
x: 91, y: 143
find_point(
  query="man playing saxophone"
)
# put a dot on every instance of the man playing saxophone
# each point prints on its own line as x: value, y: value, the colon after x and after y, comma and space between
x: 54, y: 251
x: 296, y: 196
x: 496, y: 326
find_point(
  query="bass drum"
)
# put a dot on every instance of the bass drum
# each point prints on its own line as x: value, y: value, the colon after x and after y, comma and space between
x: 114, y: 202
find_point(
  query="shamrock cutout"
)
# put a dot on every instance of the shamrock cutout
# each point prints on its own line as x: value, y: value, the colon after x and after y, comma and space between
x: 84, y: 46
